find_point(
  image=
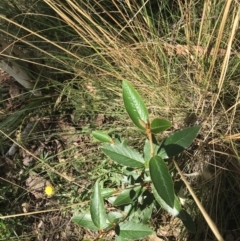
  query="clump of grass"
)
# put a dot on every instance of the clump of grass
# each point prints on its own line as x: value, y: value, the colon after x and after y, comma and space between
x: 182, y: 57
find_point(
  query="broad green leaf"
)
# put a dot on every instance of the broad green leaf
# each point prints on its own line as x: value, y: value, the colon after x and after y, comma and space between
x: 188, y: 222
x: 147, y: 213
x: 160, y: 125
x: 127, y: 196
x: 107, y: 192
x: 132, y: 230
x: 134, y: 105
x: 114, y: 217
x: 97, y: 209
x: 118, y: 238
x: 111, y: 199
x: 178, y: 142
x: 129, y: 209
x: 101, y: 136
x: 134, y: 217
x: 162, y: 180
x: 175, y: 210
x: 84, y: 220
x: 123, y: 155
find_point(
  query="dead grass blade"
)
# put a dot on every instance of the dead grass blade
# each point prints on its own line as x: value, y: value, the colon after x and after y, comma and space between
x: 227, y: 55
x: 219, y: 38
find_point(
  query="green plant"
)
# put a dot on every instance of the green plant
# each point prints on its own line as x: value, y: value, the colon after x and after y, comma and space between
x: 148, y: 178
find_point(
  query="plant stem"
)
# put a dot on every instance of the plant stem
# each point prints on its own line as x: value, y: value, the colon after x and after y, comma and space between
x: 149, y: 136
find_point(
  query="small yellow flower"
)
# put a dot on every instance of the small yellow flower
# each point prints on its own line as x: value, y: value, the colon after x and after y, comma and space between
x: 49, y: 190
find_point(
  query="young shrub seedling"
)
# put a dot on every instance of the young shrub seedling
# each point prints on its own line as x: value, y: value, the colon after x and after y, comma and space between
x: 147, y: 177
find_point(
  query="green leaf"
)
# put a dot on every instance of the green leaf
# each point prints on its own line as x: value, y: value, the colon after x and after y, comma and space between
x: 107, y: 192
x: 162, y: 180
x: 118, y: 238
x: 132, y: 230
x: 175, y: 210
x: 97, y: 209
x: 84, y: 220
x: 178, y: 142
x: 114, y: 217
x: 102, y: 136
x: 123, y: 155
x: 127, y: 196
x: 188, y: 222
x: 134, y: 105
x: 147, y: 213
x: 160, y: 125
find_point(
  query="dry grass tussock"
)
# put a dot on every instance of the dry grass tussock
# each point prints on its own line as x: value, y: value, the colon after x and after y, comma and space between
x: 183, y: 58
